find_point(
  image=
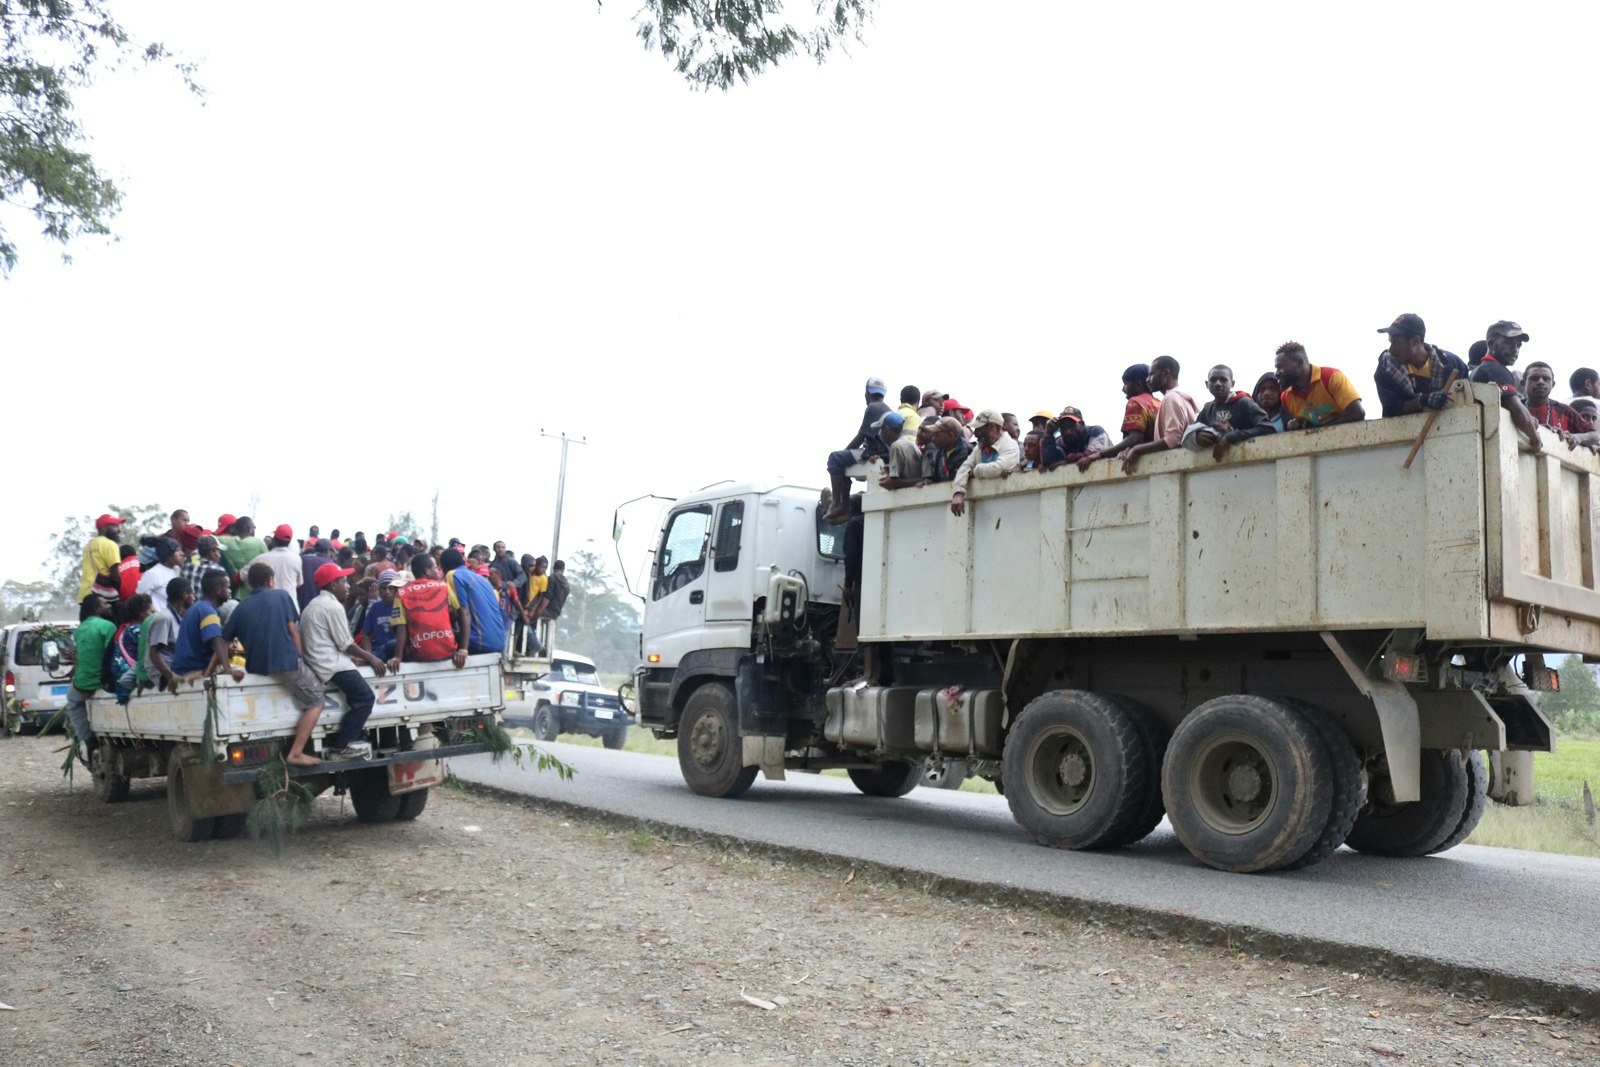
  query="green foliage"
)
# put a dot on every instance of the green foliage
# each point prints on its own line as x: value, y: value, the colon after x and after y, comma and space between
x: 49, y: 49
x: 598, y: 621
x: 283, y: 806
x: 1576, y: 708
x: 502, y: 745
x: 714, y: 43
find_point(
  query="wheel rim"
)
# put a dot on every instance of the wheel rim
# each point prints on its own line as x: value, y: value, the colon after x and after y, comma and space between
x: 1233, y: 784
x: 708, y: 742
x: 1061, y: 769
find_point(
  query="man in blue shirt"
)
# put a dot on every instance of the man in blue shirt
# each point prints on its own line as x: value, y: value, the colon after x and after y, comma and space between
x: 266, y: 624
x: 200, y: 645
x: 483, y: 628
x: 377, y: 630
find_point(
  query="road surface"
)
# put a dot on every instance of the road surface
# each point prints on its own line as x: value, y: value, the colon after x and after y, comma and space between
x: 1511, y: 923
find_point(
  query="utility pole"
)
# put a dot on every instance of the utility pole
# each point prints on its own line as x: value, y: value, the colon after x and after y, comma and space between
x: 561, y: 486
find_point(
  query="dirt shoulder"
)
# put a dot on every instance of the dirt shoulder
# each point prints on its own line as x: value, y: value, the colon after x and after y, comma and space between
x: 491, y: 931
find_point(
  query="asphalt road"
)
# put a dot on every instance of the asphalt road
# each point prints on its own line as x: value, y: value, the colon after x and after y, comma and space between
x: 1498, y: 920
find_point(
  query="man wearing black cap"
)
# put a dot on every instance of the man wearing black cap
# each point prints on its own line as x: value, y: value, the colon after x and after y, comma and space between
x: 1505, y: 339
x: 1068, y: 438
x: 1138, y: 417
x: 1411, y: 374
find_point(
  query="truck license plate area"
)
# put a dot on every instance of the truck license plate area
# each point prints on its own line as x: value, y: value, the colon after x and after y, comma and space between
x: 409, y: 777
x: 58, y: 690
x: 602, y: 713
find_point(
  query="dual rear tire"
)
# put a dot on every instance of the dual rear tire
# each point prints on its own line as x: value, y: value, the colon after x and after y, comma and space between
x: 1249, y: 784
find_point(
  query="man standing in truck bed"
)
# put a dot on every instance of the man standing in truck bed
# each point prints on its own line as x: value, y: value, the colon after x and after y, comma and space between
x: 265, y: 623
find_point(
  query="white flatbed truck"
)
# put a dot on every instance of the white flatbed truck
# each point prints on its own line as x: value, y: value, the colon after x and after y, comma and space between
x: 1303, y: 645
x: 423, y: 715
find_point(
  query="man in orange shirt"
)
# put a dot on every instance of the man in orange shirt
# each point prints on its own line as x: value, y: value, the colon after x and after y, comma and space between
x: 1314, y: 396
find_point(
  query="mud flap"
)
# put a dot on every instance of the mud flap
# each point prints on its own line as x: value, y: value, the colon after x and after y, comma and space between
x: 417, y: 774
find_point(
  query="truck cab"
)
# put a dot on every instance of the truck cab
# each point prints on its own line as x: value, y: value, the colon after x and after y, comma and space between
x: 738, y: 569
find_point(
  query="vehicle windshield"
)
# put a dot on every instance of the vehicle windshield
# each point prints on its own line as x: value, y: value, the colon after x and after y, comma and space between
x: 568, y: 671
x: 30, y: 641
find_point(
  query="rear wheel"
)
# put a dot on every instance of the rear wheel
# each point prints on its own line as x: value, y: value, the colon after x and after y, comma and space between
x: 1477, y: 800
x: 1248, y: 784
x: 546, y: 723
x: 1076, y: 770
x: 892, y: 779
x: 1155, y: 735
x: 1417, y: 828
x: 369, y: 794
x: 1349, y: 786
x: 411, y: 804
x: 710, y: 754
x: 186, y: 826
x: 105, y: 767
x: 615, y: 738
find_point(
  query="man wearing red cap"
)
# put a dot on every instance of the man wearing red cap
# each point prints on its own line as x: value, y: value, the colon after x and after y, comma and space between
x: 101, y: 556
x: 330, y: 652
x: 284, y: 561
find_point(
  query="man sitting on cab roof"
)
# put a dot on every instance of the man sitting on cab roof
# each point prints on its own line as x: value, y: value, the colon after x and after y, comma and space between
x: 1314, y: 396
x: 865, y: 443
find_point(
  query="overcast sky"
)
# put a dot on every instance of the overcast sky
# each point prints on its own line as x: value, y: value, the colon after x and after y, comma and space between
x: 399, y: 240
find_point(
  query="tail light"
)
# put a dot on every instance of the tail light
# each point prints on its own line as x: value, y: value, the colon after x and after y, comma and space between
x: 11, y: 682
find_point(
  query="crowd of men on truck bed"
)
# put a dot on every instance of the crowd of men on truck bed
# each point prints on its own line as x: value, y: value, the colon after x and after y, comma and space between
x: 932, y: 438
x: 191, y: 603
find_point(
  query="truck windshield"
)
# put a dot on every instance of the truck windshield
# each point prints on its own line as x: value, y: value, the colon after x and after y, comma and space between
x: 568, y: 671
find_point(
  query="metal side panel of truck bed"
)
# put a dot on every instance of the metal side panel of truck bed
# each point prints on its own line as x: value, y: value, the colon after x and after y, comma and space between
x: 258, y: 707
x: 1480, y: 540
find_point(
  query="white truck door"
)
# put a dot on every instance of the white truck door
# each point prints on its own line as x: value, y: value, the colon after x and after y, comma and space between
x: 727, y: 586
x: 676, y: 614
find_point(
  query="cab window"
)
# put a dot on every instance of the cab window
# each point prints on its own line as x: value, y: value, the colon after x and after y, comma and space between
x: 682, y: 556
x: 730, y: 530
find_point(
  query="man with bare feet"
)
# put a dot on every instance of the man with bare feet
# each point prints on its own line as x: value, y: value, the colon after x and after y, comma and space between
x: 266, y: 623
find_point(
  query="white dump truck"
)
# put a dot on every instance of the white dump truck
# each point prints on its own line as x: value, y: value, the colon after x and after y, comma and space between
x: 1306, y: 644
x: 424, y: 714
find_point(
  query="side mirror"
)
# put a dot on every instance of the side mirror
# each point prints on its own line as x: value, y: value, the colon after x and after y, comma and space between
x: 50, y: 656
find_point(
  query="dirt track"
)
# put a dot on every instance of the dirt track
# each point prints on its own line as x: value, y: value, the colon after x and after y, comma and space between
x: 489, y: 932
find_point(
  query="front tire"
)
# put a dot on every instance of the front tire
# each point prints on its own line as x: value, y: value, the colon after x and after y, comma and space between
x: 615, y: 739
x: 546, y: 723
x: 1077, y: 770
x: 892, y: 779
x: 710, y: 753
x: 1248, y: 784
x: 1427, y: 825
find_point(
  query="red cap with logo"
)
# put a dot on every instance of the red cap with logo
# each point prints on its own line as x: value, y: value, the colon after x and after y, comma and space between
x: 224, y: 521
x: 329, y: 573
x: 283, y: 532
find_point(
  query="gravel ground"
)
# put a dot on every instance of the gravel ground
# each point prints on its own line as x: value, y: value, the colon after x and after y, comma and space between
x: 493, y: 932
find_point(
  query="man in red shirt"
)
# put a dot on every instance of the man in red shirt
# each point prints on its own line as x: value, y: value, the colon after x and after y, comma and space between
x: 1539, y: 381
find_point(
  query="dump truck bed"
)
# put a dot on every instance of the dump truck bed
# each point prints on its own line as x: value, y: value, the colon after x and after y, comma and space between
x: 1481, y: 540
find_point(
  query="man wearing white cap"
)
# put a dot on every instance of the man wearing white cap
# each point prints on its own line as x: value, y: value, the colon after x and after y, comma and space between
x: 865, y: 443
x: 996, y: 456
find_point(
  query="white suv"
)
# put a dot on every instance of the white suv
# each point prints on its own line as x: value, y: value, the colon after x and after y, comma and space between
x: 34, y: 694
x: 565, y: 697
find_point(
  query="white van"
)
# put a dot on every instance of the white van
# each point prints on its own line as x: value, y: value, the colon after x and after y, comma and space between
x: 34, y: 694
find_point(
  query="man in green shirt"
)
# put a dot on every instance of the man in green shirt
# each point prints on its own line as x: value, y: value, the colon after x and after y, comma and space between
x: 240, y: 545
x: 95, y: 631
